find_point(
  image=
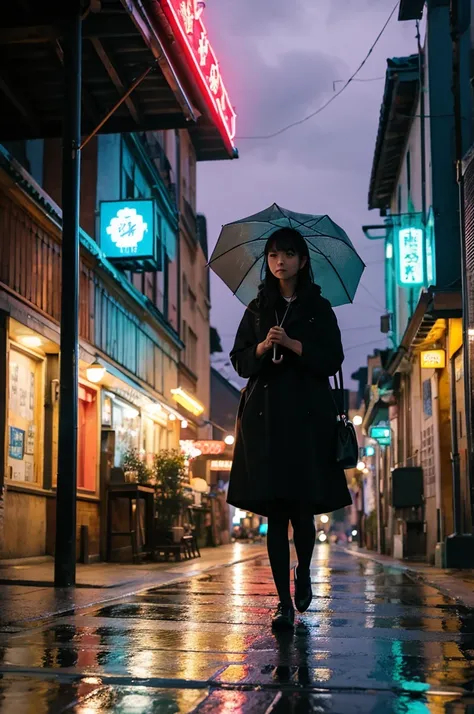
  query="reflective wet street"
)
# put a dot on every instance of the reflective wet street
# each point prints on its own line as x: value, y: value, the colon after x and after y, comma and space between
x: 374, y: 641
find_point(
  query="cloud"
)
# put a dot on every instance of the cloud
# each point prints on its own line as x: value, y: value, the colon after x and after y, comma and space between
x: 279, y: 61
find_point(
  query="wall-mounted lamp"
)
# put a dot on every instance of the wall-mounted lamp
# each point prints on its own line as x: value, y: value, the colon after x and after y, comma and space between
x: 95, y: 372
x: 30, y: 340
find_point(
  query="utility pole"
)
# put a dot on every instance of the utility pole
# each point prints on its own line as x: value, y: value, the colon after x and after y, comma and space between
x: 65, y: 554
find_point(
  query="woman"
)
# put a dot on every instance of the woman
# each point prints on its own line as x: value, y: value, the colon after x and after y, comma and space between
x: 284, y: 460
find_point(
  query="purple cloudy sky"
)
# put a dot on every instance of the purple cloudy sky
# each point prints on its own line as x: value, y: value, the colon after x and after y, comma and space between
x: 279, y: 60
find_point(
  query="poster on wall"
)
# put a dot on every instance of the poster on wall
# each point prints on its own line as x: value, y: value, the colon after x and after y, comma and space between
x: 30, y: 440
x: 14, y: 371
x: 17, y: 444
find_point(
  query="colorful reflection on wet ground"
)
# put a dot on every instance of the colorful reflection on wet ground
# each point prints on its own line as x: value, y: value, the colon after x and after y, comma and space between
x: 373, y: 641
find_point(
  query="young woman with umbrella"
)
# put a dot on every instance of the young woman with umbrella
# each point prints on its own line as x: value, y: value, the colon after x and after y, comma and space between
x: 287, y: 345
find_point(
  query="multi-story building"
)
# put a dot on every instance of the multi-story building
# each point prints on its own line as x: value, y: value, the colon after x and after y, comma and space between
x: 414, y: 186
x: 134, y: 352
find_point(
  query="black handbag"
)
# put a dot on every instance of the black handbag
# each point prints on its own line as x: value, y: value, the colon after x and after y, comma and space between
x: 347, y: 448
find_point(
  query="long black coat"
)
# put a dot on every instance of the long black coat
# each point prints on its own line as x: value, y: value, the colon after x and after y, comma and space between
x: 286, y: 426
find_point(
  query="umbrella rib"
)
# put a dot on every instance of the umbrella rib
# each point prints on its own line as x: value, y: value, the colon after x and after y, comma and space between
x: 246, y: 242
x: 246, y: 273
x: 335, y: 270
x: 307, y: 239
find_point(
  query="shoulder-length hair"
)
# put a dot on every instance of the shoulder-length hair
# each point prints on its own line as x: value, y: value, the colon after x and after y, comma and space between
x: 285, y: 239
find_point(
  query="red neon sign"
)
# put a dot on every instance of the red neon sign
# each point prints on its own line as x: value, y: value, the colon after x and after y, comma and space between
x: 186, y: 19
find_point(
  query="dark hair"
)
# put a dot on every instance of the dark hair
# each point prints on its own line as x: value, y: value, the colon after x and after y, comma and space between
x: 285, y: 239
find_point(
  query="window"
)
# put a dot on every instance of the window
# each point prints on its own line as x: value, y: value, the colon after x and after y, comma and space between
x: 185, y: 287
x: 191, y: 350
x: 24, y: 417
x: 87, y: 439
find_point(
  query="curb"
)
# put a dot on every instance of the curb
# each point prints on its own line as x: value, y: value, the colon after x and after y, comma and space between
x: 19, y: 627
x: 445, y: 588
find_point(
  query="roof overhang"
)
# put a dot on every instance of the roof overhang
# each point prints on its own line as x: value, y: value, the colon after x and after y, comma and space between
x: 411, y: 9
x: 120, y: 41
x: 427, y: 324
x: 396, y: 117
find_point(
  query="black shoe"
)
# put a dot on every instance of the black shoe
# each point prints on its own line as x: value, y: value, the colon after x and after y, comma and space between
x: 303, y: 592
x: 284, y: 618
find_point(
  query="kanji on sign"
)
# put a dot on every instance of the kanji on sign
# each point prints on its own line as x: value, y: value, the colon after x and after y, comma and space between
x: 410, y: 257
x: 186, y: 19
x: 203, y: 49
x: 214, y: 79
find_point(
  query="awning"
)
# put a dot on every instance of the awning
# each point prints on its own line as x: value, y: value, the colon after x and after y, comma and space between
x: 121, y: 40
x: 432, y: 307
x: 396, y: 117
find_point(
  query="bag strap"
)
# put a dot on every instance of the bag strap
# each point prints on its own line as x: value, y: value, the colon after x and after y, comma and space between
x: 339, y: 387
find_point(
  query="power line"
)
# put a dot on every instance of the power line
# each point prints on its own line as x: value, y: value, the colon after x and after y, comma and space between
x: 368, y: 79
x: 338, y: 94
x: 363, y: 344
x: 376, y: 300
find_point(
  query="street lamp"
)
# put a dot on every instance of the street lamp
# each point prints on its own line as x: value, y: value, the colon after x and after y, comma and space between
x: 357, y: 420
x: 229, y: 440
x: 95, y: 372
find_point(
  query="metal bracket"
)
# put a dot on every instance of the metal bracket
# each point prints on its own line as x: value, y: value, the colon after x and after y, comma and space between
x: 119, y: 103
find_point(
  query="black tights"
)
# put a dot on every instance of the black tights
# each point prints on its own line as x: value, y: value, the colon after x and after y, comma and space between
x: 304, y: 535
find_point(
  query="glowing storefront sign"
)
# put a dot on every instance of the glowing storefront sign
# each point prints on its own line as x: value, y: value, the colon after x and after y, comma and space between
x: 433, y: 359
x: 410, y: 257
x: 221, y: 465
x: 382, y: 434
x: 127, y: 233
x: 186, y: 19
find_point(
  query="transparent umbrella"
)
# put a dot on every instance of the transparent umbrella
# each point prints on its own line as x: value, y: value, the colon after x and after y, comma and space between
x: 238, y: 258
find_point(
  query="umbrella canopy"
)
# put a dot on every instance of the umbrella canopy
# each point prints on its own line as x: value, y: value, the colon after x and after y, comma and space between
x: 238, y: 258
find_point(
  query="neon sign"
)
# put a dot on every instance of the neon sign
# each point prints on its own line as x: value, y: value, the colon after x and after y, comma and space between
x: 128, y: 233
x: 186, y: 19
x: 410, y: 257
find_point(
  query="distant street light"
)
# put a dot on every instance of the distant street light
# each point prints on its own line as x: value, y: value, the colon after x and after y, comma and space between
x: 357, y: 420
x: 229, y: 440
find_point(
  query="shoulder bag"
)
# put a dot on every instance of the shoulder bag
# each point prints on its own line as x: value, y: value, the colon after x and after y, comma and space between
x: 347, y: 449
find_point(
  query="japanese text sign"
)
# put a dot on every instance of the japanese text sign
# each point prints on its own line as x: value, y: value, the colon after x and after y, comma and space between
x: 186, y: 19
x: 433, y: 359
x: 410, y: 257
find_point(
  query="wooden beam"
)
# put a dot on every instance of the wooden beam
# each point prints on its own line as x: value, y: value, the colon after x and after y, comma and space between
x: 98, y: 26
x: 113, y: 74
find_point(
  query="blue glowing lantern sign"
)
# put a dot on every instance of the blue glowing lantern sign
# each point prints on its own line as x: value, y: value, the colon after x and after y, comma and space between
x: 128, y: 234
x: 382, y: 434
x: 411, y: 271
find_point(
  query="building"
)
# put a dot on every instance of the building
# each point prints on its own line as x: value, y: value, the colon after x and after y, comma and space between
x: 137, y: 174
x: 414, y: 187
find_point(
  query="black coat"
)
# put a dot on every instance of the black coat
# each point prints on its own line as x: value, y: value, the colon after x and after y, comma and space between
x: 286, y: 426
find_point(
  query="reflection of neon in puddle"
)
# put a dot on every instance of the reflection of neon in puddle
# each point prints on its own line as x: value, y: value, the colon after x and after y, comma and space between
x: 405, y: 685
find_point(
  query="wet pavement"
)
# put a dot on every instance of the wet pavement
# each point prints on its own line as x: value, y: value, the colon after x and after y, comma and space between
x: 374, y: 641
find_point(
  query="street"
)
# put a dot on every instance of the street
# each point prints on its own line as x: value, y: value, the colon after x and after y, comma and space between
x: 374, y: 640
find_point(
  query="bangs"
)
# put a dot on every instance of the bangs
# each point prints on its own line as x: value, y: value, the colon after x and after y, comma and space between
x: 286, y: 240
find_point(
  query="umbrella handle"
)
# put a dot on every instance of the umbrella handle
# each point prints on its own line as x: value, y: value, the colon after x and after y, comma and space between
x: 274, y: 359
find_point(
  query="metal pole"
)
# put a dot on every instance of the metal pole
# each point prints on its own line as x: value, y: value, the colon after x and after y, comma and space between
x: 378, y: 498
x: 65, y: 555
x: 455, y: 452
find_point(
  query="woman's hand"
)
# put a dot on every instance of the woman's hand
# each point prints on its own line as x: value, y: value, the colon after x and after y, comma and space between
x: 278, y: 336
x: 263, y: 347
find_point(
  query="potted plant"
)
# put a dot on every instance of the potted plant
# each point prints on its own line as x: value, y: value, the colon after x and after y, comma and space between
x: 169, y: 472
x: 134, y: 468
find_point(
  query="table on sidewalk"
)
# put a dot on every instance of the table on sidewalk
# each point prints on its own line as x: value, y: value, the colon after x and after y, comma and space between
x: 135, y: 493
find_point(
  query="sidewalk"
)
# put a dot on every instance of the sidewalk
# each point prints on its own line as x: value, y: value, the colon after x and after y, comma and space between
x: 457, y: 584
x: 28, y: 597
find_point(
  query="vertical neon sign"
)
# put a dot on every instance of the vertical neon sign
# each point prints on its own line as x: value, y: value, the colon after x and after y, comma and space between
x: 185, y: 17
